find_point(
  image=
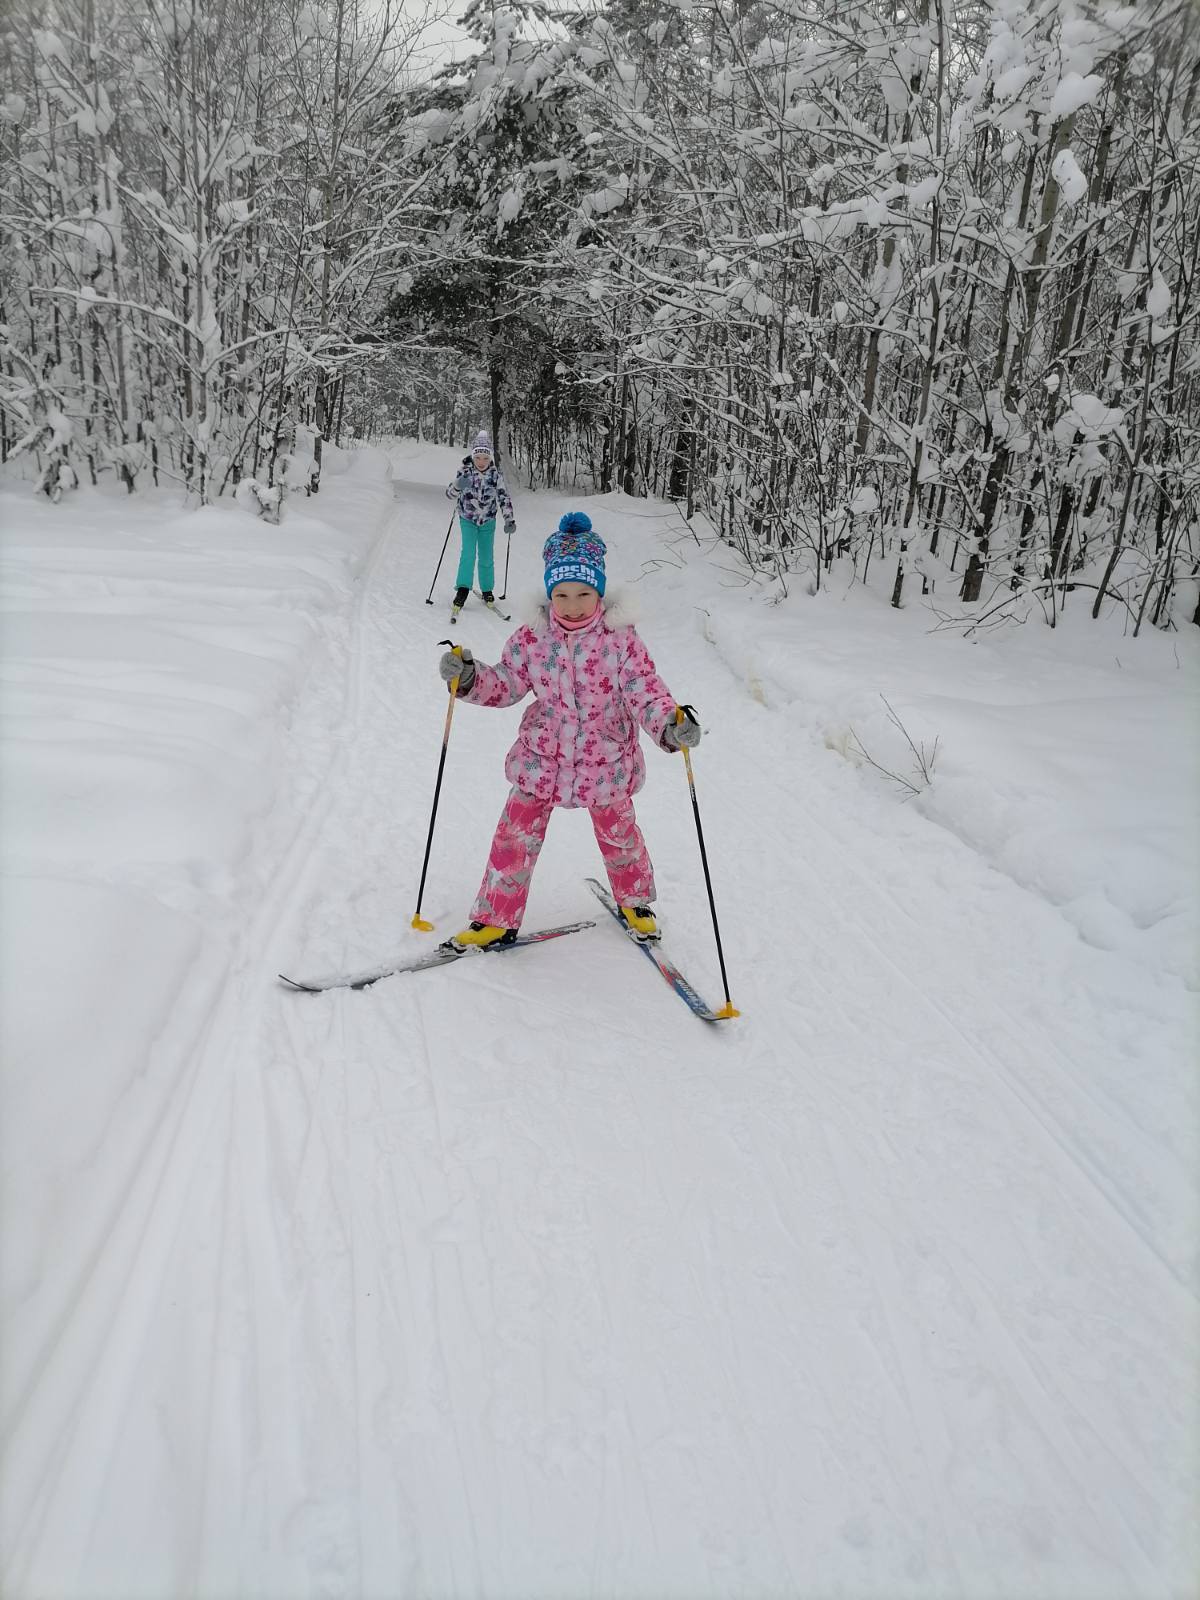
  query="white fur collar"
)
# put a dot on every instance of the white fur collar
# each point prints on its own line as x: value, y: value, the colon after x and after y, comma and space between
x: 619, y: 609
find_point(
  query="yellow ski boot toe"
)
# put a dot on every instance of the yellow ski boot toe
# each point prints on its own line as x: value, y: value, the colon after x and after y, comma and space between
x: 482, y: 936
x: 641, y: 921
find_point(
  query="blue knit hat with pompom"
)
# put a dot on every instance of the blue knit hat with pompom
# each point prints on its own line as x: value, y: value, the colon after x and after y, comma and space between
x: 575, y: 554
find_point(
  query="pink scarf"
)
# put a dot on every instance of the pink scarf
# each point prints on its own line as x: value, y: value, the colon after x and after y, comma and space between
x: 574, y: 625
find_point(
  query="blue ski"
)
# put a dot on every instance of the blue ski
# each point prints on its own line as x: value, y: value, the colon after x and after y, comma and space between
x: 652, y: 951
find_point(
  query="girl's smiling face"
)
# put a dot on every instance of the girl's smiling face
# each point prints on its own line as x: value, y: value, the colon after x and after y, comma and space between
x: 574, y: 602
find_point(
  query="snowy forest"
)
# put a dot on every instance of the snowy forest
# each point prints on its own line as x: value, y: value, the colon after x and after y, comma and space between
x: 862, y: 282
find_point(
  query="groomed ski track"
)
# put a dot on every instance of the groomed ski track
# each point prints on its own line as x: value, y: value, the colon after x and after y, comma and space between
x: 511, y: 1279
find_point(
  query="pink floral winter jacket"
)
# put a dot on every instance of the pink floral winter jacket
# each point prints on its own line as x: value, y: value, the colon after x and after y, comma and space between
x: 578, y: 741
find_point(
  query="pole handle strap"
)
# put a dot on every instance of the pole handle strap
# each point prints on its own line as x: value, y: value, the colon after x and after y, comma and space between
x: 681, y: 713
x: 455, y: 649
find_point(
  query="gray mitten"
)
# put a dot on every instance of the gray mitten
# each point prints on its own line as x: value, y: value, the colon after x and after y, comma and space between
x: 683, y: 735
x: 458, y: 664
x: 510, y: 528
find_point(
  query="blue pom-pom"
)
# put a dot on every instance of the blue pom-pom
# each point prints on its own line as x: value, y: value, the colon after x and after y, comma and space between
x: 575, y: 522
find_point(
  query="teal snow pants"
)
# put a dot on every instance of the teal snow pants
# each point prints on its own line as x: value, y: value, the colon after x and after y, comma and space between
x: 477, y: 538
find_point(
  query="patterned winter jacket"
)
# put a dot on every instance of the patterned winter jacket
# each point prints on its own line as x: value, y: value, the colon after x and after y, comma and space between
x: 479, y: 494
x: 578, y: 741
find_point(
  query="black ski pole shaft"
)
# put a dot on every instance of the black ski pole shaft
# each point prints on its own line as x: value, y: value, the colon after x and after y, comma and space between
x: 507, y: 553
x: 441, y: 558
x: 729, y: 1009
x: 418, y: 920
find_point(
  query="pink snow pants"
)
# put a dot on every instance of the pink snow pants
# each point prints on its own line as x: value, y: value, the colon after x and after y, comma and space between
x: 518, y: 840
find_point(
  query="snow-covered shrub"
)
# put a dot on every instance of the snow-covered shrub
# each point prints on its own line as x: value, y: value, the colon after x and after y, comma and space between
x: 260, y: 499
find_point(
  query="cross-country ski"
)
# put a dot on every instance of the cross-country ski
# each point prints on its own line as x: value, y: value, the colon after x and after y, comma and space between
x: 440, y: 956
x: 493, y: 606
x: 654, y: 954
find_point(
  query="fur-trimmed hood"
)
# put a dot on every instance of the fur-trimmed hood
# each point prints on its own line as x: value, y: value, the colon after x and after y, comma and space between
x: 620, y: 608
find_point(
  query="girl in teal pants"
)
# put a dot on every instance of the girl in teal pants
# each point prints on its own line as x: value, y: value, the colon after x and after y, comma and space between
x: 480, y: 490
x: 477, y: 544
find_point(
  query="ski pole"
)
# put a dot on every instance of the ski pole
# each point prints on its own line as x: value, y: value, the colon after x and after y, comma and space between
x: 507, y: 553
x: 441, y: 558
x: 728, y: 1009
x: 418, y: 920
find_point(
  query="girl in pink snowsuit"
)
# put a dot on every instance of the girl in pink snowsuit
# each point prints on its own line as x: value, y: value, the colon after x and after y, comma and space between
x: 594, y: 685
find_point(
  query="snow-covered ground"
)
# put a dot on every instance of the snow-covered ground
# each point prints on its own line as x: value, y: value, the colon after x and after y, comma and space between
x: 513, y: 1279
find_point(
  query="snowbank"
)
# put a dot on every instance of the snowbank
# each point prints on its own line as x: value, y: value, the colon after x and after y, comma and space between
x: 1068, y: 758
x: 151, y: 658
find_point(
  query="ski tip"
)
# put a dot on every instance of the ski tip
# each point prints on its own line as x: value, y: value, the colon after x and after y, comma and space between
x: 293, y: 983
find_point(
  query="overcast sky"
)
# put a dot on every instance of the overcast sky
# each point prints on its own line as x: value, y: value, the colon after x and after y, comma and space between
x: 444, y: 39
